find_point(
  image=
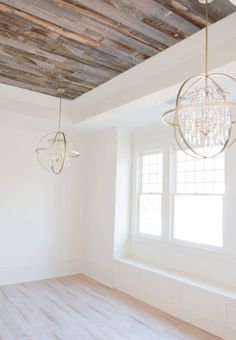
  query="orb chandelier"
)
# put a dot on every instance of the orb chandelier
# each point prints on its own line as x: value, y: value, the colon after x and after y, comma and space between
x: 57, y: 151
x: 202, y: 119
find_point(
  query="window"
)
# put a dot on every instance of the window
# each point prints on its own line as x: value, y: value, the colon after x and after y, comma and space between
x: 198, y: 199
x: 190, y: 208
x: 149, y: 193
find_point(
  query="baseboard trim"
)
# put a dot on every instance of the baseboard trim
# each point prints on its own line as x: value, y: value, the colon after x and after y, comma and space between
x: 38, y: 271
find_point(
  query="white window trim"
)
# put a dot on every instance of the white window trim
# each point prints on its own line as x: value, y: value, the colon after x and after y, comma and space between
x: 172, y: 239
x: 167, y: 227
x: 135, y: 233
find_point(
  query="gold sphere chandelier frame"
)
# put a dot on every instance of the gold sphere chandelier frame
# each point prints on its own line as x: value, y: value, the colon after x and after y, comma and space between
x: 203, y: 116
x: 57, y: 151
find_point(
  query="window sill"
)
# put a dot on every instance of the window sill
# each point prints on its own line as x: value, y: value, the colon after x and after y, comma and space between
x: 174, y: 244
x: 142, y: 236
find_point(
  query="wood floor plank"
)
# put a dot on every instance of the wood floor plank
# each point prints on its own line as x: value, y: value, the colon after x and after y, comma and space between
x: 78, y: 308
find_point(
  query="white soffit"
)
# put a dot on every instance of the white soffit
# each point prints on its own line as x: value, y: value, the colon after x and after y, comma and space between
x: 31, y: 104
x: 142, y: 113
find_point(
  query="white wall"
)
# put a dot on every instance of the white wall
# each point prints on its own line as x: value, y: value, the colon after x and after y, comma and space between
x: 99, y: 196
x: 217, y: 267
x: 196, y: 285
x: 80, y: 222
x: 40, y: 214
x: 122, y: 194
x: 108, y: 184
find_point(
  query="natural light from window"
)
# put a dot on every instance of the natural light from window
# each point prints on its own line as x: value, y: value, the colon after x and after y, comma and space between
x: 198, y: 200
x: 150, y: 193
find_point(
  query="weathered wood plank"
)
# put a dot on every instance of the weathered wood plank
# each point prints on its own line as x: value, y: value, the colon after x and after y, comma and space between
x: 116, y: 32
x: 144, y: 8
x: 184, y: 11
x: 76, y: 45
x: 194, y: 11
x: 217, y: 9
x: 48, y: 25
x: 128, y: 60
x: 38, y: 67
x: 109, y: 22
x: 43, y: 51
x: 65, y: 76
x: 164, y: 27
x: 56, y: 42
x: 38, y: 8
x: 78, y: 23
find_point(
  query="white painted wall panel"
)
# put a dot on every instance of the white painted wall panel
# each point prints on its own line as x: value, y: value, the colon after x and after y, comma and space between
x: 162, y: 288
x: 131, y: 280
x: 175, y: 296
x: 231, y: 315
x: 99, y: 205
x: 40, y: 214
x: 199, y: 302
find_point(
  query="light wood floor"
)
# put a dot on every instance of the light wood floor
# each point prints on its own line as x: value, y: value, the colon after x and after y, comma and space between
x: 78, y: 308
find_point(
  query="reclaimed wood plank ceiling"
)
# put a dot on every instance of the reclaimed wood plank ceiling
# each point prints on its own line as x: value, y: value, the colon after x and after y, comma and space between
x: 68, y: 47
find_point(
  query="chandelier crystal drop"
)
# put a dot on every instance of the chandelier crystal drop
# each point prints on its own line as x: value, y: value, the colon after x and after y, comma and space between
x: 203, y: 116
x: 57, y: 151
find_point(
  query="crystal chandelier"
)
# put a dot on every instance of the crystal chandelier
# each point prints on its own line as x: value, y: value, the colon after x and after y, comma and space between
x: 202, y: 118
x: 57, y: 151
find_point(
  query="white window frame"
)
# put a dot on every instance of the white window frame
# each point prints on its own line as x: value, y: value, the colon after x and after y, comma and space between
x: 172, y: 239
x: 168, y: 193
x: 137, y: 177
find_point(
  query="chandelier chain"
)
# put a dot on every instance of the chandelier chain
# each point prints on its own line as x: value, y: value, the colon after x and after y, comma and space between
x: 59, y: 120
x: 206, y: 41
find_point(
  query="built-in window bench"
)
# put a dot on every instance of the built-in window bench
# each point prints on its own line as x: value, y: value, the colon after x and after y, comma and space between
x: 208, y: 306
